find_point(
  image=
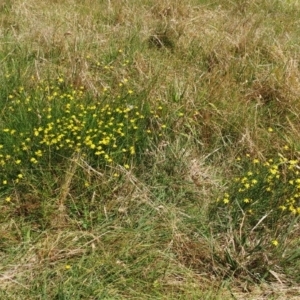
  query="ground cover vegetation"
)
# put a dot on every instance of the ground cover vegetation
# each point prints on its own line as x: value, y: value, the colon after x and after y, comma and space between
x: 149, y: 149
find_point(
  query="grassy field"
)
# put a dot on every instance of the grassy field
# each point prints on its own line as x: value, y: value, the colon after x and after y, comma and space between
x: 149, y: 149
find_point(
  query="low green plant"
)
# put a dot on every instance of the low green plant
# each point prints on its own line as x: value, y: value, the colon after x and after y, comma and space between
x: 266, y: 189
x: 44, y: 125
x: 256, y: 214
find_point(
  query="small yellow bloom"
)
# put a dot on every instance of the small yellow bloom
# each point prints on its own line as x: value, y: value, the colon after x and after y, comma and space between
x: 270, y: 129
x: 292, y: 209
x: 275, y: 243
x: 33, y: 160
x: 126, y: 166
x: 244, y: 179
x: 68, y: 267
x: 293, y: 162
x: 282, y: 207
x: 226, y: 200
x: 273, y: 171
x: 38, y: 153
x: 8, y: 199
x: 132, y: 150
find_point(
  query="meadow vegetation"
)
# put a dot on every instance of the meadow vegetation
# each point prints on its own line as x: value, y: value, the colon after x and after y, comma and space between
x: 149, y: 149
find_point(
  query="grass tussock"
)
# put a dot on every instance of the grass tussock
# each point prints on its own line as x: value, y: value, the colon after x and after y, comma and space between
x: 149, y: 149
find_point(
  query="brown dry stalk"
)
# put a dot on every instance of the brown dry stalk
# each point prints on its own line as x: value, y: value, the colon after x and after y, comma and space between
x: 61, y: 215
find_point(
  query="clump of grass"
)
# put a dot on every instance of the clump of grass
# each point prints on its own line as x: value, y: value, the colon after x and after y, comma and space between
x: 57, y: 120
x: 258, y: 214
x: 52, y: 130
x: 265, y: 186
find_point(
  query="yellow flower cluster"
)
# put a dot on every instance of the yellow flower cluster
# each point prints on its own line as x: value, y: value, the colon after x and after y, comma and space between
x: 264, y: 186
x: 58, y: 120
